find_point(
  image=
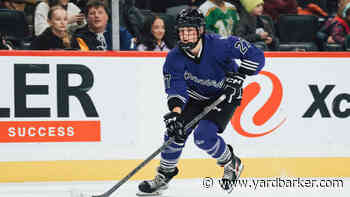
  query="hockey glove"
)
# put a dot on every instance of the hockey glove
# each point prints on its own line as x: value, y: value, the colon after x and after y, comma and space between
x: 175, y: 126
x: 233, y: 87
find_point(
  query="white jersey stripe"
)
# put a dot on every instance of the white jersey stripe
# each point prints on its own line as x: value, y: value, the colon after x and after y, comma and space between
x: 248, y: 68
x: 199, y: 96
x: 250, y: 62
x: 250, y: 65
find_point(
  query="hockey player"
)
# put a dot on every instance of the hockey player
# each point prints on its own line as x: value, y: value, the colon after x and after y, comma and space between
x: 197, y: 71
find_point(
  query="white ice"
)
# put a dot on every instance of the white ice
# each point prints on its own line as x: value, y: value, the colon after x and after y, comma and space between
x: 177, y: 188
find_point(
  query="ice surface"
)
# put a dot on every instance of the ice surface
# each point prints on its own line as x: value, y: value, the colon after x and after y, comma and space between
x: 177, y: 188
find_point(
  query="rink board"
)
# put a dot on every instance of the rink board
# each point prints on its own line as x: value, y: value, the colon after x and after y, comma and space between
x: 293, y: 121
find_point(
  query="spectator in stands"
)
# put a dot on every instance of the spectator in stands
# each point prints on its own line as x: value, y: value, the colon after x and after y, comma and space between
x: 323, y: 36
x: 341, y: 28
x: 97, y: 34
x: 131, y: 18
x: 220, y: 17
x: 154, y: 36
x: 274, y: 8
x: 56, y: 35
x: 75, y: 17
x: 255, y: 28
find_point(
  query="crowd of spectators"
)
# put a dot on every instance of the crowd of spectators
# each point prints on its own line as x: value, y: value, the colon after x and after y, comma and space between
x: 148, y: 25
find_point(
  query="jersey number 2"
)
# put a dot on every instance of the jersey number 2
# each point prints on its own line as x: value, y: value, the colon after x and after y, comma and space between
x: 242, y: 45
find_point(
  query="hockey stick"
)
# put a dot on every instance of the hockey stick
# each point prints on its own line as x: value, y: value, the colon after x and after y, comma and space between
x: 160, y: 149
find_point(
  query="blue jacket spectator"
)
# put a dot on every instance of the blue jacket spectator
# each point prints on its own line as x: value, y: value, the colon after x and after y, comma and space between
x: 97, y: 34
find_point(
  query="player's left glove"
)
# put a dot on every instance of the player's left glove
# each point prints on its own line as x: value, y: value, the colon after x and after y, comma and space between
x: 175, y: 126
x: 233, y: 87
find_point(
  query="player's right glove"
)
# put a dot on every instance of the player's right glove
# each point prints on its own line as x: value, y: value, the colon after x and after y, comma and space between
x: 233, y: 87
x: 175, y: 126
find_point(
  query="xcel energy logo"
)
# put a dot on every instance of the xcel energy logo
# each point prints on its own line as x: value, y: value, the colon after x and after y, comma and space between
x: 319, y: 103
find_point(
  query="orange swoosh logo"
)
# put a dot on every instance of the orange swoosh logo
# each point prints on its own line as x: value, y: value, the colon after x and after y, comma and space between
x: 265, y: 112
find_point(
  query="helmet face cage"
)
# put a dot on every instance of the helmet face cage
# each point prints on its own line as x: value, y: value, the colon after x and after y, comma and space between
x: 189, y: 18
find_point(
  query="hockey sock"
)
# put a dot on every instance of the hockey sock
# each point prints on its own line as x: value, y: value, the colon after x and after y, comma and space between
x: 225, y: 157
x: 206, y: 138
x: 170, y: 155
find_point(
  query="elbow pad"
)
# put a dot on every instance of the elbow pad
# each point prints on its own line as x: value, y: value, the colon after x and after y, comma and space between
x: 248, y: 67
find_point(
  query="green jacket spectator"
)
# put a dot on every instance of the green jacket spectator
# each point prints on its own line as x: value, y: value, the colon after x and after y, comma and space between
x: 220, y: 17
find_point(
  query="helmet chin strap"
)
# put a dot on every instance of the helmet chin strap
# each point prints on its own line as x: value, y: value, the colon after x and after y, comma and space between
x: 194, y: 46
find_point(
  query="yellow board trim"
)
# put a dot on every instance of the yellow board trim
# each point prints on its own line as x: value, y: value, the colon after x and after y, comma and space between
x: 98, y: 170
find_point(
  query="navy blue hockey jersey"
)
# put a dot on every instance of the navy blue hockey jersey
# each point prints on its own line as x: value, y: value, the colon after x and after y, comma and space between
x: 202, y: 78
